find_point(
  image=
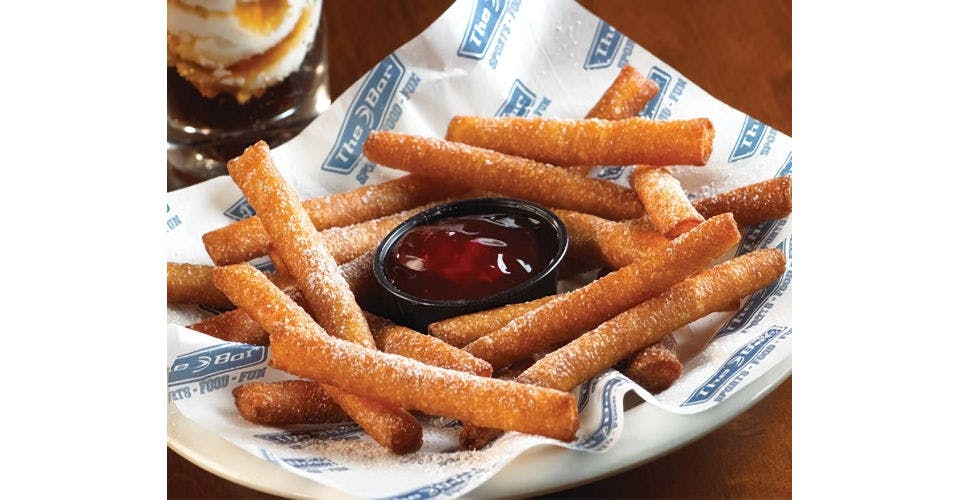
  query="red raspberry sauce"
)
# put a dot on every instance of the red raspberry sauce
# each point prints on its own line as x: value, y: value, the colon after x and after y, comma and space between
x: 469, y: 257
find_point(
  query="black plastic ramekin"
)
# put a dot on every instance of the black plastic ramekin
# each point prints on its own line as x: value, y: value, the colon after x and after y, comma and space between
x: 415, y: 312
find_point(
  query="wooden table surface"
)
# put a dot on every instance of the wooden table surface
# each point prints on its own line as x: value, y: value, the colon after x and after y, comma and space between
x: 737, y: 50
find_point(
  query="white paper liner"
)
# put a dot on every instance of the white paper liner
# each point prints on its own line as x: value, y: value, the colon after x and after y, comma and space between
x: 519, y: 58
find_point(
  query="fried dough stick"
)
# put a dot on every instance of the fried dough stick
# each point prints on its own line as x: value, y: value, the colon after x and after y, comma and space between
x: 305, y: 402
x: 302, y: 348
x: 503, y: 174
x: 396, y: 339
x: 349, y: 242
x: 759, y: 202
x: 287, y: 402
x: 459, y: 331
x: 650, y: 321
x: 629, y: 141
x: 655, y: 367
x: 298, y: 244
x: 568, y: 315
x: 247, y: 239
x: 593, y: 240
x: 645, y: 324
x: 238, y: 326
x: 617, y: 244
x: 666, y: 203
x: 193, y: 284
x: 624, y: 98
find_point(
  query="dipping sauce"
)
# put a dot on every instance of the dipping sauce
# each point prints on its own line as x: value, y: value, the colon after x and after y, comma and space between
x: 470, y: 256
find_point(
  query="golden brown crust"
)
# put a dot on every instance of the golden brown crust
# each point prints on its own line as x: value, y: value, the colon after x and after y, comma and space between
x: 624, y: 98
x: 299, y: 245
x: 461, y: 330
x: 629, y: 141
x: 507, y: 175
x: 403, y: 341
x: 286, y: 403
x: 648, y: 322
x: 192, y: 284
x: 616, y: 244
x: 665, y: 201
x: 247, y: 239
x: 655, y: 367
x: 767, y: 200
x: 568, y: 315
x: 394, y: 428
x: 301, y: 347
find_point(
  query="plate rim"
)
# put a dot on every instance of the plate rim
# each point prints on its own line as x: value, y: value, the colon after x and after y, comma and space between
x: 511, y: 480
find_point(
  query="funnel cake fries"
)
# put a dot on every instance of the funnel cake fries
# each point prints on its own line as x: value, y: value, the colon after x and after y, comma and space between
x: 767, y: 200
x: 348, y: 243
x: 599, y: 241
x: 288, y: 402
x: 656, y: 367
x: 503, y: 174
x: 403, y: 341
x: 760, y: 202
x: 325, y: 290
x: 302, y: 348
x: 299, y: 244
x: 305, y: 402
x: 193, y: 284
x: 625, y: 98
x: 629, y: 141
x: 459, y: 331
x: 238, y: 326
x: 667, y: 205
x: 247, y: 239
x: 643, y: 325
x: 391, y: 426
x: 568, y: 315
x: 650, y: 321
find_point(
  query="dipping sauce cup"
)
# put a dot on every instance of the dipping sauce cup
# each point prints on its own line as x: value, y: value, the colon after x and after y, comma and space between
x: 468, y: 256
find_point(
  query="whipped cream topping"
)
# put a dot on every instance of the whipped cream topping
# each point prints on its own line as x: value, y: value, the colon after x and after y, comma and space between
x: 239, y: 47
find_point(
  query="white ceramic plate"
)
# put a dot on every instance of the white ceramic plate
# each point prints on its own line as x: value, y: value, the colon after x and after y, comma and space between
x: 649, y: 432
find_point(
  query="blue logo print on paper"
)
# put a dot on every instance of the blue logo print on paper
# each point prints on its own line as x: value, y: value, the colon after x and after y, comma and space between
x: 221, y: 358
x: 448, y: 487
x: 662, y: 79
x: 603, y: 49
x: 314, y: 464
x: 301, y: 439
x: 364, y: 115
x: 519, y: 101
x: 601, y: 437
x: 749, y: 139
x: 484, y: 21
x: 737, y: 362
x: 241, y: 209
x: 787, y: 167
x: 760, y: 235
x: 610, y: 173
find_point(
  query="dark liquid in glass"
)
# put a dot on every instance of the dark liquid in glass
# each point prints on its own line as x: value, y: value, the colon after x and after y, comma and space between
x: 202, y: 133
